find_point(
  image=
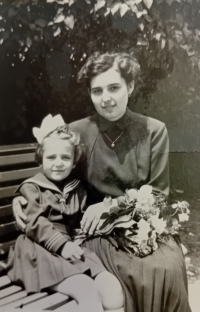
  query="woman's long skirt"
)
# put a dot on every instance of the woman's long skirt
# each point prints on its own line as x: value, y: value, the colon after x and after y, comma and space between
x: 156, y: 283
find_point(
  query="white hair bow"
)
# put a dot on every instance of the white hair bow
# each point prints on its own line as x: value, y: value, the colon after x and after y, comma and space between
x: 48, y: 125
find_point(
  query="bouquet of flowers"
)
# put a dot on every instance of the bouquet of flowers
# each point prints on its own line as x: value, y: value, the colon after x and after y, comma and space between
x: 142, y: 220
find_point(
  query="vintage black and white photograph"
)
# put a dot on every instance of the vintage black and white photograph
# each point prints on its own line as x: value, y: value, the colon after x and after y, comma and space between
x: 100, y: 155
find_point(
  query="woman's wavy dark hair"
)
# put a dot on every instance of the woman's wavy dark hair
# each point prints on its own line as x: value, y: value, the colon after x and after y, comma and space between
x: 98, y: 63
x: 64, y: 133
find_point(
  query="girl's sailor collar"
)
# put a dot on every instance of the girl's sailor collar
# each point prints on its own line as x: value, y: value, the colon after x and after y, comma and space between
x: 43, y: 182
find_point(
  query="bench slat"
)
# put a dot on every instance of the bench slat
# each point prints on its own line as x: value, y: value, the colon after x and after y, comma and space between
x: 21, y: 302
x: 71, y: 306
x: 10, y: 299
x: 17, y: 159
x: 5, y: 210
x: 8, y: 191
x: 17, y: 148
x: 51, y: 302
x: 2, y: 268
x: 4, y: 247
x: 8, y: 228
x: 9, y: 291
x: 4, y: 281
x: 18, y: 174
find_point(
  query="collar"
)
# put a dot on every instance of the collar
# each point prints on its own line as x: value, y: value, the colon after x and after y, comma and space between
x: 41, y: 180
x: 121, y: 123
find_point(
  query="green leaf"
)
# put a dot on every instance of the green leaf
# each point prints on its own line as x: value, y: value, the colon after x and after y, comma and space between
x: 157, y: 36
x: 186, y: 31
x: 57, y: 32
x: 100, y: 4
x: 123, y: 9
x: 114, y: 210
x: 104, y: 215
x: 60, y: 18
x: 121, y: 200
x: 115, y: 8
x: 28, y: 42
x: 148, y: 3
x: 178, y: 35
x: 142, y: 42
x: 41, y: 22
x: 69, y: 21
x: 109, y: 3
x: 71, y: 2
x: 107, y: 222
x: 141, y: 13
x: 163, y: 42
x: 121, y: 222
x: 141, y: 26
x: 107, y: 12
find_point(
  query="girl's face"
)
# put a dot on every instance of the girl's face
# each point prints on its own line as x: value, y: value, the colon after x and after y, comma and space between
x: 109, y: 93
x: 58, y: 158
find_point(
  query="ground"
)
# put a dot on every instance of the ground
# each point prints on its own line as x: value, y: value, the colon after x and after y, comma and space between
x: 190, y: 236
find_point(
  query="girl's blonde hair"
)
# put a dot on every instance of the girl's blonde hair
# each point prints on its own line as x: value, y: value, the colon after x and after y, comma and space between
x: 62, y: 133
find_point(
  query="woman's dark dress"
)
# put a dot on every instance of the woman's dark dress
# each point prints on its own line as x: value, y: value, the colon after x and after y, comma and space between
x: 158, y: 282
x: 35, y: 262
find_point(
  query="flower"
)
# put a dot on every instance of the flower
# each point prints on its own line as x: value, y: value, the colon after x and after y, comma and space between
x: 144, y: 229
x: 174, y: 221
x: 158, y: 224
x: 146, y: 190
x: 183, y: 217
x: 184, y: 206
x: 145, y: 196
x: 139, y: 221
x: 152, y: 240
x: 121, y: 201
x: 132, y: 194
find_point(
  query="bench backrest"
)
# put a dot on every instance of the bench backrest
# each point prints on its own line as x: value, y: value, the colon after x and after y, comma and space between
x: 17, y: 163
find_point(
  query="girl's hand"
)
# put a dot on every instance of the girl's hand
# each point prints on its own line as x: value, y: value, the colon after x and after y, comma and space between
x: 20, y: 217
x: 91, y: 218
x: 71, y: 251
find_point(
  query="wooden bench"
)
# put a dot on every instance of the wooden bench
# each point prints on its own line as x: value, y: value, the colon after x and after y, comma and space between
x: 17, y: 163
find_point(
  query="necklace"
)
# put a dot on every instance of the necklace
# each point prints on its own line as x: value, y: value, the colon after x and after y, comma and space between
x: 113, y: 142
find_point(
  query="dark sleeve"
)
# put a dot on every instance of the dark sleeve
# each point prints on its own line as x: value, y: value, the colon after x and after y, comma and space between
x: 82, y: 194
x: 38, y: 227
x: 159, y: 178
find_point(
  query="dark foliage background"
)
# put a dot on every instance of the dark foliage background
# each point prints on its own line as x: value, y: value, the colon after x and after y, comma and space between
x: 43, y: 44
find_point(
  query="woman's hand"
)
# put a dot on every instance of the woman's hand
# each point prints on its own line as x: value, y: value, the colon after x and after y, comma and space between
x: 20, y: 217
x: 91, y: 218
x: 71, y: 251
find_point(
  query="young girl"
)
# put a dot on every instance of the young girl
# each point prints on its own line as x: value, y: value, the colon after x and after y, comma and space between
x: 45, y: 256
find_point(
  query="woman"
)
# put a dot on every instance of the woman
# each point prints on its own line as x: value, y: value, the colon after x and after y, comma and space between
x: 126, y: 150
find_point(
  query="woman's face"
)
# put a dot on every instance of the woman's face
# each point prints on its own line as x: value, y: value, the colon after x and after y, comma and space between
x: 109, y: 93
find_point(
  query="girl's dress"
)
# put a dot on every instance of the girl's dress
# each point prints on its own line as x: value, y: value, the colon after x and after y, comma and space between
x: 158, y: 282
x: 35, y: 262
